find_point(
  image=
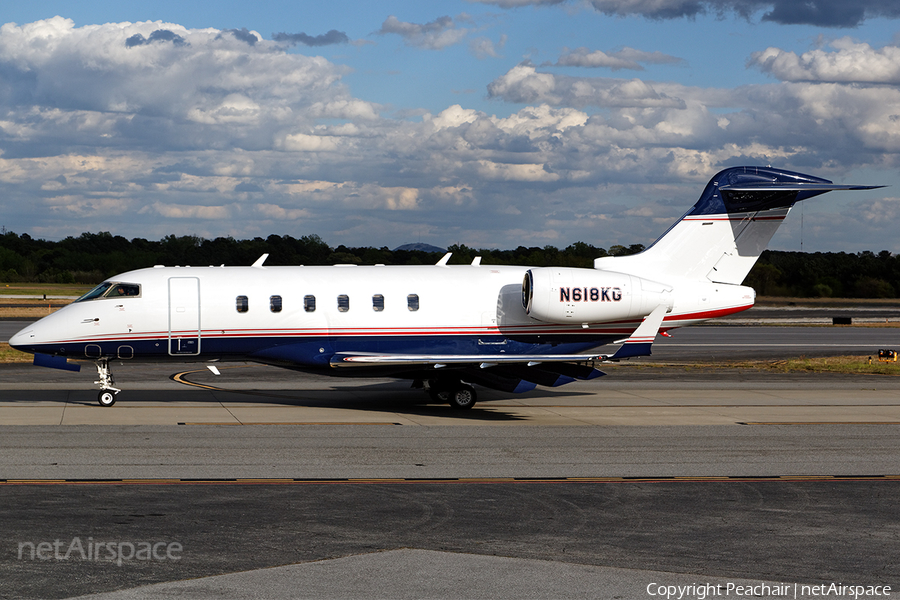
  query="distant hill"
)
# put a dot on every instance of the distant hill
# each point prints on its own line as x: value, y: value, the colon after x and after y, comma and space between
x: 419, y: 246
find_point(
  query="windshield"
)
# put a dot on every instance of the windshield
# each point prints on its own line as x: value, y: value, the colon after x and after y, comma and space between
x: 96, y: 292
x: 110, y: 289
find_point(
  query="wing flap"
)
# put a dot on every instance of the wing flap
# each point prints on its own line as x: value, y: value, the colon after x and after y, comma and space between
x: 363, y: 359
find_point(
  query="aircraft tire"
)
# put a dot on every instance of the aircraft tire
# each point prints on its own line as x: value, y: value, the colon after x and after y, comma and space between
x: 463, y: 397
x: 106, y: 398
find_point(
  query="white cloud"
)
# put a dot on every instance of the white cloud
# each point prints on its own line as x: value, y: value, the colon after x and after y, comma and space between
x: 452, y: 116
x: 215, y: 134
x: 541, y: 120
x: 483, y: 47
x: 301, y: 142
x: 69, y: 206
x: 211, y: 78
x: 626, y: 58
x: 435, y: 35
x: 279, y: 213
x: 515, y: 172
x: 401, y: 198
x: 181, y: 211
x: 524, y: 84
x: 234, y: 108
x: 582, y: 57
x: 851, y: 62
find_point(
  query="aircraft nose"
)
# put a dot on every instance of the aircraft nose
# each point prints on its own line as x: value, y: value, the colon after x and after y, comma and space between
x: 21, y: 340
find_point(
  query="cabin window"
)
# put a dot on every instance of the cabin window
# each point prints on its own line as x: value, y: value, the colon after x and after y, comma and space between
x: 378, y: 303
x: 309, y: 303
x: 275, y: 303
x: 343, y: 303
x: 412, y: 302
x: 242, y: 303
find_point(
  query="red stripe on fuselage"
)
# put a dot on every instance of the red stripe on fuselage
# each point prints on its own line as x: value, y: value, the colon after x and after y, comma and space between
x: 625, y: 327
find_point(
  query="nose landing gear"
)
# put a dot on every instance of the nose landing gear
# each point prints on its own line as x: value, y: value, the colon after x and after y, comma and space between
x: 108, y: 393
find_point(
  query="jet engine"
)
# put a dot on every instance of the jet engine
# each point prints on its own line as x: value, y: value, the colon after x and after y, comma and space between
x: 571, y: 295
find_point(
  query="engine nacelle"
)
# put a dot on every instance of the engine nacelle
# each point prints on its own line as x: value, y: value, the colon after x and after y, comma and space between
x: 571, y: 295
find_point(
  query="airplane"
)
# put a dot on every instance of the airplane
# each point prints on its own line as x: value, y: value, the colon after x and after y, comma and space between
x: 445, y: 327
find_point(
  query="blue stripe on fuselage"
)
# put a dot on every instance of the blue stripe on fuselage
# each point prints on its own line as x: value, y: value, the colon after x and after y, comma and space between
x: 316, y: 352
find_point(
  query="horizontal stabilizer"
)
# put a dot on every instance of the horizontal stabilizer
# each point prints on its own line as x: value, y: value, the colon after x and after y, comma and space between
x: 55, y: 362
x: 751, y: 189
x: 779, y: 186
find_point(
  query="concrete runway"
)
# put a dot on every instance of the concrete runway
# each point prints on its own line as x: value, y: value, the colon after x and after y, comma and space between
x: 358, y: 488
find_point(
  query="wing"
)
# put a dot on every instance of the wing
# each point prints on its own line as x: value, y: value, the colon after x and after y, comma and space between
x: 510, y: 372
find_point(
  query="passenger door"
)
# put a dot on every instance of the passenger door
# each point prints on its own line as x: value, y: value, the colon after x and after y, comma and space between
x: 184, y: 316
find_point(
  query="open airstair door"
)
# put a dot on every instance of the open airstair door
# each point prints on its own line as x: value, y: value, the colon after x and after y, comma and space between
x: 184, y: 316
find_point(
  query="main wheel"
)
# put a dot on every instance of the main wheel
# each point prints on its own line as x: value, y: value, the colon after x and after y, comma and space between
x: 106, y: 398
x: 463, y: 397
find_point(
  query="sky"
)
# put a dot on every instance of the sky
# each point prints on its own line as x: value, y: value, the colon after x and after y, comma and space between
x: 489, y: 123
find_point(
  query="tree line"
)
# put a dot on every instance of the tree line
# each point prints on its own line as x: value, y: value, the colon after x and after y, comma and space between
x: 93, y: 257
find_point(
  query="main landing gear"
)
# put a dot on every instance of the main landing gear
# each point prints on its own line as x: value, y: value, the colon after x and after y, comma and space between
x: 459, y: 395
x: 108, y: 393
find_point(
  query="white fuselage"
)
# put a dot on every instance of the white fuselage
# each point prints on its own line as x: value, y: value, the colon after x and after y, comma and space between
x: 265, y: 314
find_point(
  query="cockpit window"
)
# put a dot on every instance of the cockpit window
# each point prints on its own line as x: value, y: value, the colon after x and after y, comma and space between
x: 112, y: 289
x: 97, y: 292
x: 124, y: 289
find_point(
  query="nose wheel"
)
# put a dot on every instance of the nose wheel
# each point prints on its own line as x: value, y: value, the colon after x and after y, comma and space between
x: 108, y: 393
x: 106, y: 398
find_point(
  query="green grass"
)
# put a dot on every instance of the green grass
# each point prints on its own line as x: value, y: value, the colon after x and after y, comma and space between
x: 860, y: 365
x: 39, y: 289
x: 852, y: 365
x: 8, y: 355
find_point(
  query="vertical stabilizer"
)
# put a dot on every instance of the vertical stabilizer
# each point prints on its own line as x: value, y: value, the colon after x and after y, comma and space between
x: 720, y: 238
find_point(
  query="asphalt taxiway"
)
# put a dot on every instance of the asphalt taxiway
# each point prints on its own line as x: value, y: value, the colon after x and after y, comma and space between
x: 276, y: 484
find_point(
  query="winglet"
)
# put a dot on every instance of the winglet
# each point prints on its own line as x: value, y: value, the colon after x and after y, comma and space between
x: 259, y: 261
x: 642, y: 339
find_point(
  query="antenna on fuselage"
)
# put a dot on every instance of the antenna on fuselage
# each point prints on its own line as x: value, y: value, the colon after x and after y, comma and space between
x: 259, y: 261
